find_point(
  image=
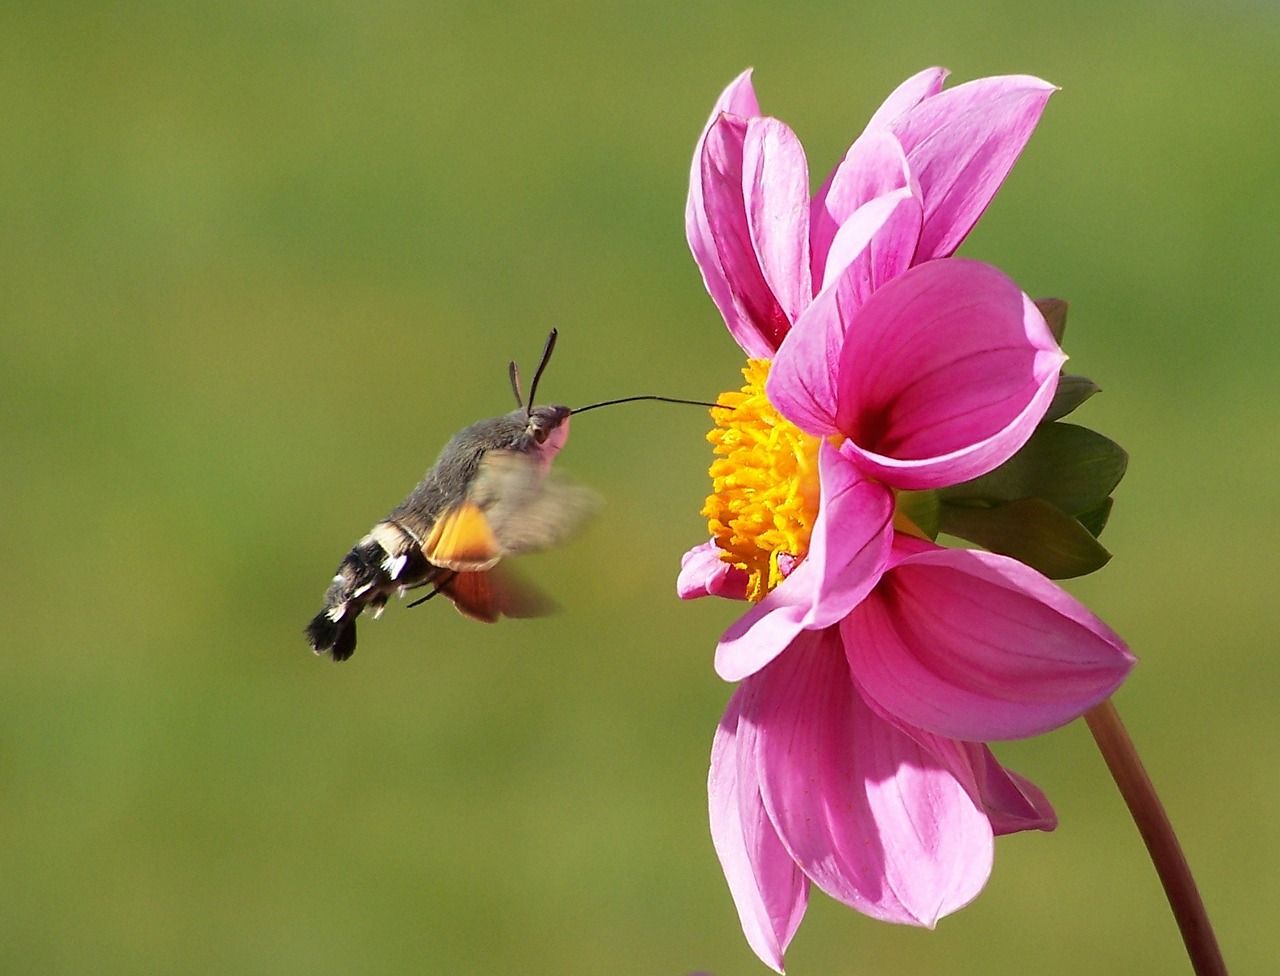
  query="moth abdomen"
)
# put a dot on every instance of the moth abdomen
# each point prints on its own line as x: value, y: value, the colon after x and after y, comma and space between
x: 384, y: 561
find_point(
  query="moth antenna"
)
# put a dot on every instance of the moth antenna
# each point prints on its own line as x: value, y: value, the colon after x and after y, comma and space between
x: 662, y: 399
x: 513, y: 372
x: 436, y: 592
x: 542, y: 364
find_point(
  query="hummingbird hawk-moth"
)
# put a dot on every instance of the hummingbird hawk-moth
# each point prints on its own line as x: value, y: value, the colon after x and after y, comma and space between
x: 490, y: 494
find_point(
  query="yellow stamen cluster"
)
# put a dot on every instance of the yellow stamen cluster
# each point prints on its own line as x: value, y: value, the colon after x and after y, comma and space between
x: 764, y: 480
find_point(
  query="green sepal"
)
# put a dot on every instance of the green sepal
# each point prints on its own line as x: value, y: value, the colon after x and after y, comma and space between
x: 1031, y: 531
x: 1072, y: 391
x: 924, y: 508
x: 1054, y: 311
x: 1072, y: 468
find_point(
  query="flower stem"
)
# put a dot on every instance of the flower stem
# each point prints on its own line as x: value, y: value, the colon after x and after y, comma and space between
x: 1157, y: 833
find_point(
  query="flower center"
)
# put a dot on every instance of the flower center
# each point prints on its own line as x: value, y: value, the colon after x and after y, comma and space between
x: 764, y: 495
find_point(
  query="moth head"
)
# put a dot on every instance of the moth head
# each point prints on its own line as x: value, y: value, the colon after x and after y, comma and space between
x: 547, y: 429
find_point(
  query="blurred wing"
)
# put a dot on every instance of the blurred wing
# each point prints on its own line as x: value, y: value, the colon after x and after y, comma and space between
x: 528, y: 508
x: 497, y: 593
x: 513, y: 505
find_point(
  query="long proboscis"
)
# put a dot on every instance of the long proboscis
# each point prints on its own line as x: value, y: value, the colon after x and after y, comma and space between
x: 661, y: 399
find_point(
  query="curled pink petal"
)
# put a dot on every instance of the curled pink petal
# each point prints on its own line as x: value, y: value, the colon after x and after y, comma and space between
x: 875, y: 165
x: 738, y: 99
x: 944, y: 374
x: 704, y: 573
x: 851, y: 545
x: 871, y: 817
x: 879, y: 239
x: 755, y: 318
x: 961, y: 144
x: 853, y: 182
x: 768, y: 889
x: 767, y: 629
x: 1013, y: 803
x: 776, y: 191
x: 977, y: 646
x: 848, y: 550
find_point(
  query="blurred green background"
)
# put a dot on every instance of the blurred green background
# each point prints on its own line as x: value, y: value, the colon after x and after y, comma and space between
x: 261, y: 259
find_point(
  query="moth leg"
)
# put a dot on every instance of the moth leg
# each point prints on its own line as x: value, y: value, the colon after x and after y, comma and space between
x: 440, y: 585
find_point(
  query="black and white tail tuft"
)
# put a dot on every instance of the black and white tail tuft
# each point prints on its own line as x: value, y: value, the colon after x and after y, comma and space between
x: 383, y: 562
x: 338, y: 640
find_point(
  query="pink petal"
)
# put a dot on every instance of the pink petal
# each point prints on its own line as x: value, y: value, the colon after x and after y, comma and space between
x: 768, y: 889
x: 835, y: 201
x: 848, y: 550
x: 875, y: 165
x: 755, y: 318
x: 776, y: 191
x: 874, y: 245
x: 961, y: 144
x: 704, y: 573
x: 907, y: 96
x: 738, y: 99
x: 880, y: 237
x: 871, y: 817
x: 764, y: 631
x: 944, y: 374
x: 976, y: 646
x: 1012, y: 802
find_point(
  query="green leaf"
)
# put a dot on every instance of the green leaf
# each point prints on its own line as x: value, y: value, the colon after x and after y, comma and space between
x: 923, y: 508
x: 1054, y: 311
x: 1096, y: 520
x: 1031, y: 531
x: 1072, y: 391
x: 1071, y: 467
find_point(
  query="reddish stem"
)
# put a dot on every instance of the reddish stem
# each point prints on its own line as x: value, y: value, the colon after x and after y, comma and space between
x: 1157, y: 833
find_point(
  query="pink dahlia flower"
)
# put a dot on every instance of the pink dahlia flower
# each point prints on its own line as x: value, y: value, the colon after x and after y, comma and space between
x: 874, y: 663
